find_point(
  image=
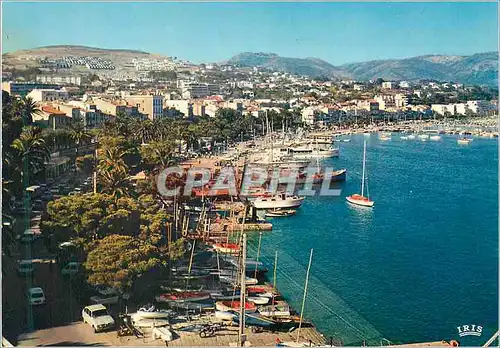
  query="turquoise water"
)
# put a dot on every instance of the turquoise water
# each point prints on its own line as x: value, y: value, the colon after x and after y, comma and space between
x: 423, y: 261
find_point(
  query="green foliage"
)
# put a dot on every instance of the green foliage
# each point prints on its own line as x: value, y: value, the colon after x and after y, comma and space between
x: 107, y: 230
x: 85, y: 164
x: 118, y: 260
x: 163, y: 75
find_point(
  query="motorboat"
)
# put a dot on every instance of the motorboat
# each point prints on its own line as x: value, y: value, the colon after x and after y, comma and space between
x: 280, y: 213
x: 435, y: 137
x: 464, y: 141
x: 279, y: 201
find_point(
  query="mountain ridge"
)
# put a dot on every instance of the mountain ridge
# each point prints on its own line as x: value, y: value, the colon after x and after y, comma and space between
x: 478, y: 68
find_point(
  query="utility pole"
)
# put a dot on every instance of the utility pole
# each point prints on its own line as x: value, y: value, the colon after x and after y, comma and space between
x: 95, y: 171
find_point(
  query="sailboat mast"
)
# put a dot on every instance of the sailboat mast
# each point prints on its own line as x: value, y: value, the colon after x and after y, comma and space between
x: 241, y: 332
x: 363, y: 178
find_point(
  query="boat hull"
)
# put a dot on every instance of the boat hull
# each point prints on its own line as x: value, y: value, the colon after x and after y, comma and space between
x: 358, y: 200
x: 267, y: 203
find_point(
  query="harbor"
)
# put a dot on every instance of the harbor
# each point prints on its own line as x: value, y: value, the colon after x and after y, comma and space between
x: 243, y: 258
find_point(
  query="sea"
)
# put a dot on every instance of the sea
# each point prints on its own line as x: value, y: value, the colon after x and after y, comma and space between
x: 415, y: 267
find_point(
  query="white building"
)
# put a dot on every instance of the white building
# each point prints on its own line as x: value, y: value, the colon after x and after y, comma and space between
x: 43, y: 95
x: 60, y: 80
x: 192, y: 90
x: 310, y: 115
x: 388, y: 85
x: 479, y: 107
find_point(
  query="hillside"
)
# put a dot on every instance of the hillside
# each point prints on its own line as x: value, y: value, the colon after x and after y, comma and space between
x: 481, y: 68
x: 299, y: 66
x: 121, y: 58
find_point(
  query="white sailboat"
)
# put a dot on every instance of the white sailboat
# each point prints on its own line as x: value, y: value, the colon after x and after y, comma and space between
x: 360, y: 199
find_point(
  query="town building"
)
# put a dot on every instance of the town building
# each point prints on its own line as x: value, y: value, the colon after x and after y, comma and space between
x: 388, y: 85
x: 44, y: 95
x: 52, y: 117
x: 22, y: 89
x: 149, y: 104
x: 60, y: 79
x: 115, y: 107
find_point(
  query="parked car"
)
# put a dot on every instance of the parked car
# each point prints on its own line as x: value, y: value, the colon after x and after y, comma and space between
x: 71, y: 268
x: 36, y: 296
x: 25, y: 267
x: 98, y: 317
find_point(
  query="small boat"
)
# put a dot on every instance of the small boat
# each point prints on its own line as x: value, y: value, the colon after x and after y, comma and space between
x: 338, y: 175
x: 195, y: 306
x: 227, y: 248
x: 226, y: 306
x: 411, y: 137
x: 361, y: 199
x: 280, y: 212
x: 435, y: 138
x: 403, y: 137
x: 366, y: 134
x: 224, y: 315
x: 189, y: 296
x: 225, y: 295
x: 254, y: 319
x: 141, y: 322
x: 346, y: 140
x: 275, y: 311
x: 281, y: 200
x: 233, y: 279
x: 464, y: 141
x: 151, y: 312
x: 384, y: 137
x: 258, y: 300
x: 423, y: 137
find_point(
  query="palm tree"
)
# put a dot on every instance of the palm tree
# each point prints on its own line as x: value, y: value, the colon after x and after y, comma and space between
x: 29, y: 108
x: 30, y: 150
x: 112, y: 159
x: 79, y: 134
x: 115, y: 182
x: 143, y: 130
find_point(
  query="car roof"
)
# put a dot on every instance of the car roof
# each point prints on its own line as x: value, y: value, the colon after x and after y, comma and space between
x: 95, y: 307
x: 35, y: 290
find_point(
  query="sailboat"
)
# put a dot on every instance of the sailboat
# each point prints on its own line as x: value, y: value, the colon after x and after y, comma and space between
x: 361, y: 199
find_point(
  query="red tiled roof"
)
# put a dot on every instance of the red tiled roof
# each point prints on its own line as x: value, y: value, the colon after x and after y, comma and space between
x: 51, y: 110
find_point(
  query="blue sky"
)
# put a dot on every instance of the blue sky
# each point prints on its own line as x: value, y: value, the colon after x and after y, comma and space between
x: 209, y: 32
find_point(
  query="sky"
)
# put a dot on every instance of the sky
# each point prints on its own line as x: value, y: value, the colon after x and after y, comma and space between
x: 211, y: 32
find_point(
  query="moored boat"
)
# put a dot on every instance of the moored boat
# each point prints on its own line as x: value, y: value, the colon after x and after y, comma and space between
x: 435, y: 137
x: 280, y: 213
x: 275, y: 311
x: 278, y: 201
x: 189, y: 296
x: 360, y: 199
x: 227, y: 248
x: 258, y: 300
x: 464, y: 141
x: 226, y: 306
x: 411, y: 136
x: 384, y: 137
